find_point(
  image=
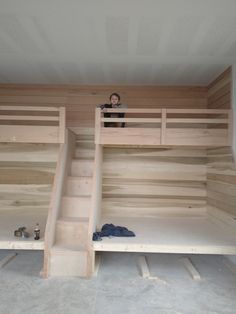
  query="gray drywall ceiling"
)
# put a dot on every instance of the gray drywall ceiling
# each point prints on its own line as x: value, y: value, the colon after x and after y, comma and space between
x: 148, y: 42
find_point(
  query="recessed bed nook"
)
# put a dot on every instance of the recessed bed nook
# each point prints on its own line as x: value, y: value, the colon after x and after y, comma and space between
x: 164, y: 196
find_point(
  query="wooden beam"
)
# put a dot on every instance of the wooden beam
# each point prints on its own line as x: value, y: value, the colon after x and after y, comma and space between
x: 163, y: 126
x: 143, y: 267
x: 191, y: 268
x: 62, y: 124
x: 7, y: 259
x: 29, y: 118
x: 97, y: 125
x: 229, y: 264
x: 28, y: 108
x: 205, y: 111
x: 143, y: 120
x: 134, y: 110
x: 144, y: 270
x: 97, y: 264
x: 196, y: 120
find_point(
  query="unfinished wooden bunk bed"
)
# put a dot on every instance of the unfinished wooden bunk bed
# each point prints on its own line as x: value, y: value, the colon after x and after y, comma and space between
x: 168, y: 176
x: 158, y: 182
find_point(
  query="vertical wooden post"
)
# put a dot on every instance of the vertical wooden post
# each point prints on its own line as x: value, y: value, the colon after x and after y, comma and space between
x: 96, y: 202
x: 62, y: 124
x: 163, y: 126
x: 97, y: 125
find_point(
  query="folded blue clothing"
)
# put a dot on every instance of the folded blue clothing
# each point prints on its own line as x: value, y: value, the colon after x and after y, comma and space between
x: 112, y: 230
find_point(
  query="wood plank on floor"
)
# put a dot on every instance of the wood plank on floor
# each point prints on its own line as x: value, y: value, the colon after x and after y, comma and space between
x: 191, y: 268
x: 4, y: 261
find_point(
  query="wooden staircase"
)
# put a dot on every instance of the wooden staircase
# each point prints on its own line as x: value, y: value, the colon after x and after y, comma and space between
x: 69, y: 255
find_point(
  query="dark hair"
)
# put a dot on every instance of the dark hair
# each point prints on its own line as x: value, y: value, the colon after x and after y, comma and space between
x: 115, y: 94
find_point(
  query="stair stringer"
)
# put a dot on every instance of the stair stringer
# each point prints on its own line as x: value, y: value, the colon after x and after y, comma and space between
x: 68, y: 250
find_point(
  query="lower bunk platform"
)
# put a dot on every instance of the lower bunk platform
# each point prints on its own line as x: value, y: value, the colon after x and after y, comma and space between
x: 206, y: 234
x: 13, y: 219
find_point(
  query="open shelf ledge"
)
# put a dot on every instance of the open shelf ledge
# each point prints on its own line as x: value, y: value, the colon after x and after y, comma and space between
x: 190, y: 235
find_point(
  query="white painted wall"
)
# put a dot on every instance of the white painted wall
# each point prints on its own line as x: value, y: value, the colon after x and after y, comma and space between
x: 152, y: 42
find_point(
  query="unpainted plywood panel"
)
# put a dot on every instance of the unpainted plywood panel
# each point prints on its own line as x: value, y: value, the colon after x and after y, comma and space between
x: 154, y: 181
x: 26, y: 175
x: 221, y: 180
x: 219, y: 91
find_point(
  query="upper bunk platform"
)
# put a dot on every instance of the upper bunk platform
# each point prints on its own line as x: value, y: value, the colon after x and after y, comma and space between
x: 165, y: 127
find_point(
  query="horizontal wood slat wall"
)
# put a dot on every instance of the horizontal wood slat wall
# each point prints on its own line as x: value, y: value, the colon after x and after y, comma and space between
x: 221, y: 171
x: 26, y: 175
x: 221, y: 179
x: 219, y: 91
x: 80, y: 101
x: 149, y: 182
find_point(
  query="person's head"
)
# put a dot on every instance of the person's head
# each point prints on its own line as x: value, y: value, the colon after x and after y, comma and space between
x: 114, y: 98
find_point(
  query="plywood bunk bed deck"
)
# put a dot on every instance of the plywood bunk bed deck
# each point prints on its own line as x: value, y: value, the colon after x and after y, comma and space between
x: 186, y: 235
x: 159, y: 189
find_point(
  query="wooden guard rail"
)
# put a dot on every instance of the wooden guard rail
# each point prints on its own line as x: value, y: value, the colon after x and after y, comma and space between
x: 183, y: 127
x: 31, y: 124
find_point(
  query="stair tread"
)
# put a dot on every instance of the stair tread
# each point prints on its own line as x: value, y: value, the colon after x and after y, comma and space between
x: 72, y: 219
x: 78, y: 177
x: 76, y: 197
x: 72, y: 249
x: 85, y: 141
x: 83, y: 159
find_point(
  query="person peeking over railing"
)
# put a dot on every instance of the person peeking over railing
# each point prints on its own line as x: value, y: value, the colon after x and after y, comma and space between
x: 114, y: 104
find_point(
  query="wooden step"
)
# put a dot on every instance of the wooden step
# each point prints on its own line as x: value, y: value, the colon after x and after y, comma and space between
x: 77, y: 207
x: 66, y: 262
x: 82, y: 167
x: 85, y: 149
x: 79, y: 186
x: 89, y: 141
x: 86, y: 136
x: 72, y: 233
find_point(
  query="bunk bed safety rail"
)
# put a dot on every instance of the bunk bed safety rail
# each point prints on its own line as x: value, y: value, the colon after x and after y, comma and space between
x: 166, y: 126
x: 32, y: 124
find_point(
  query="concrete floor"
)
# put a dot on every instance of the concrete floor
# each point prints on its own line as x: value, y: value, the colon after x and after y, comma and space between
x: 118, y: 287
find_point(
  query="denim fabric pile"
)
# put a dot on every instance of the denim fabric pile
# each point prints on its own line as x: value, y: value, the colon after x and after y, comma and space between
x: 110, y: 230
